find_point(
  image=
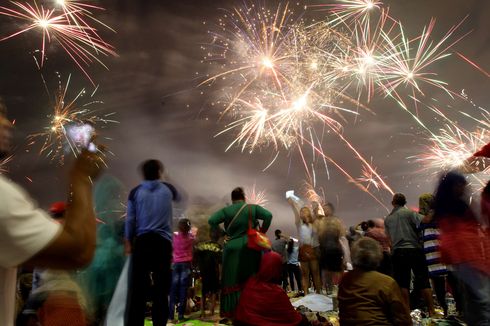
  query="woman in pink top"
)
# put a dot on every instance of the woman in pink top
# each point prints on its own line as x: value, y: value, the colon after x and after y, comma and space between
x: 183, y: 241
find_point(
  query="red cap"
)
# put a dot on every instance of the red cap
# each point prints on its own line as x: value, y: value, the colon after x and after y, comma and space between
x: 58, y: 207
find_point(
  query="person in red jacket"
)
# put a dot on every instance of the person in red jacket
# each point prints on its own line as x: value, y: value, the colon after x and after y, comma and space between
x: 463, y: 246
x: 263, y: 302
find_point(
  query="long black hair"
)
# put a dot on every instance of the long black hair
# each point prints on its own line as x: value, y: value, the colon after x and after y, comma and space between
x: 446, y: 201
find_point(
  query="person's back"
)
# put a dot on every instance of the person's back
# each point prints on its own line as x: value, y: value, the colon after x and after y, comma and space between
x: 148, y: 234
x: 262, y: 301
x: 152, y: 201
x: 408, y: 258
x: 279, y: 245
x: 367, y: 297
x: 401, y: 226
x: 380, y: 236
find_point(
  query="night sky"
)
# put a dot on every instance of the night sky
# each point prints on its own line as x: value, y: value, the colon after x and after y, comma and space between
x: 152, y: 87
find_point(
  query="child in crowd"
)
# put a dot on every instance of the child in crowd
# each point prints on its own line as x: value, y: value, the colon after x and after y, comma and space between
x: 208, y: 256
x: 183, y: 241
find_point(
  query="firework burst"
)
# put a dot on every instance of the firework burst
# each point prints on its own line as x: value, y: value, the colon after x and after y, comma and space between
x: 66, y: 113
x: 255, y: 196
x: 289, y: 83
x: 351, y: 11
x: 452, y: 148
x: 79, y: 40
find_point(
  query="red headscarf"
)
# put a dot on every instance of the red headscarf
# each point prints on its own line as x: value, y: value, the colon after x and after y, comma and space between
x: 262, y: 301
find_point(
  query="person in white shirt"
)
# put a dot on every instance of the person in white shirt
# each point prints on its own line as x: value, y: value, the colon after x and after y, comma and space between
x: 28, y: 235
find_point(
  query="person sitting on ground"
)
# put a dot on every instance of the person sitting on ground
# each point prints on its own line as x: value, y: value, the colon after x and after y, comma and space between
x: 367, y: 297
x: 263, y: 302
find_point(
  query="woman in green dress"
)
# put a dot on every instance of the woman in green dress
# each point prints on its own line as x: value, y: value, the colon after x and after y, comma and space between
x: 239, y: 262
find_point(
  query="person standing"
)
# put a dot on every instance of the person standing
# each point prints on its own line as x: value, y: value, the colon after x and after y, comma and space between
x: 279, y: 245
x: 29, y: 236
x: 294, y: 271
x: 333, y: 259
x: 309, y: 246
x: 239, y: 261
x: 181, y: 268
x: 208, y: 256
x: 401, y: 226
x: 148, y: 238
x: 464, y: 247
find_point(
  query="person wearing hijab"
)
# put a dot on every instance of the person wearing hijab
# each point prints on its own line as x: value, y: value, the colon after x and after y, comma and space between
x: 263, y: 301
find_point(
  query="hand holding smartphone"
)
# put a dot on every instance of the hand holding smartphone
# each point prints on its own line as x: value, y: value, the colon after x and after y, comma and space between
x: 80, y: 136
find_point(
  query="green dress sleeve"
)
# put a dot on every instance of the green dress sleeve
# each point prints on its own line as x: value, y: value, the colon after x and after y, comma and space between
x: 264, y: 215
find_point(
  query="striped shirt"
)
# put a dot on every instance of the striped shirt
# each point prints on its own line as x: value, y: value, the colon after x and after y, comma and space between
x: 430, y: 237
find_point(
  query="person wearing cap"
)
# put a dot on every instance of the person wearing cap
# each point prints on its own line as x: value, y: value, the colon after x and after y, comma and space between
x: 29, y: 236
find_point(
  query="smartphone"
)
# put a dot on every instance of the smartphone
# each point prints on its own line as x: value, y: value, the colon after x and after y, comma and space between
x: 80, y: 136
x: 290, y: 194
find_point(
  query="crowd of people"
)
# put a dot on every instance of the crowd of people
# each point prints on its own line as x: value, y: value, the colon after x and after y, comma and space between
x: 378, y: 270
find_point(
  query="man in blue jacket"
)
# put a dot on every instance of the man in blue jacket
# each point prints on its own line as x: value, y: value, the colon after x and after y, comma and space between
x: 148, y: 235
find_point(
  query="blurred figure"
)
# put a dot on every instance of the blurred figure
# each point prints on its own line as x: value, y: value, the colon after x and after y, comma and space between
x: 208, y: 256
x: 55, y: 297
x: 279, y: 245
x: 30, y: 236
x: 353, y: 235
x: 377, y: 233
x: 57, y: 301
x: 181, y: 268
x: 239, y: 261
x: 294, y: 270
x: 148, y: 238
x: 309, y: 246
x: 330, y: 231
x: 464, y: 247
x: 367, y: 297
x: 401, y: 226
x: 262, y: 301
x: 100, y: 278
x: 430, y: 238
x: 485, y: 207
x: 364, y: 227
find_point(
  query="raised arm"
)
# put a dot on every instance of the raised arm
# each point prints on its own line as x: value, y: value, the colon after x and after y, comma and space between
x: 295, y: 208
x: 266, y: 217
x: 75, y: 245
